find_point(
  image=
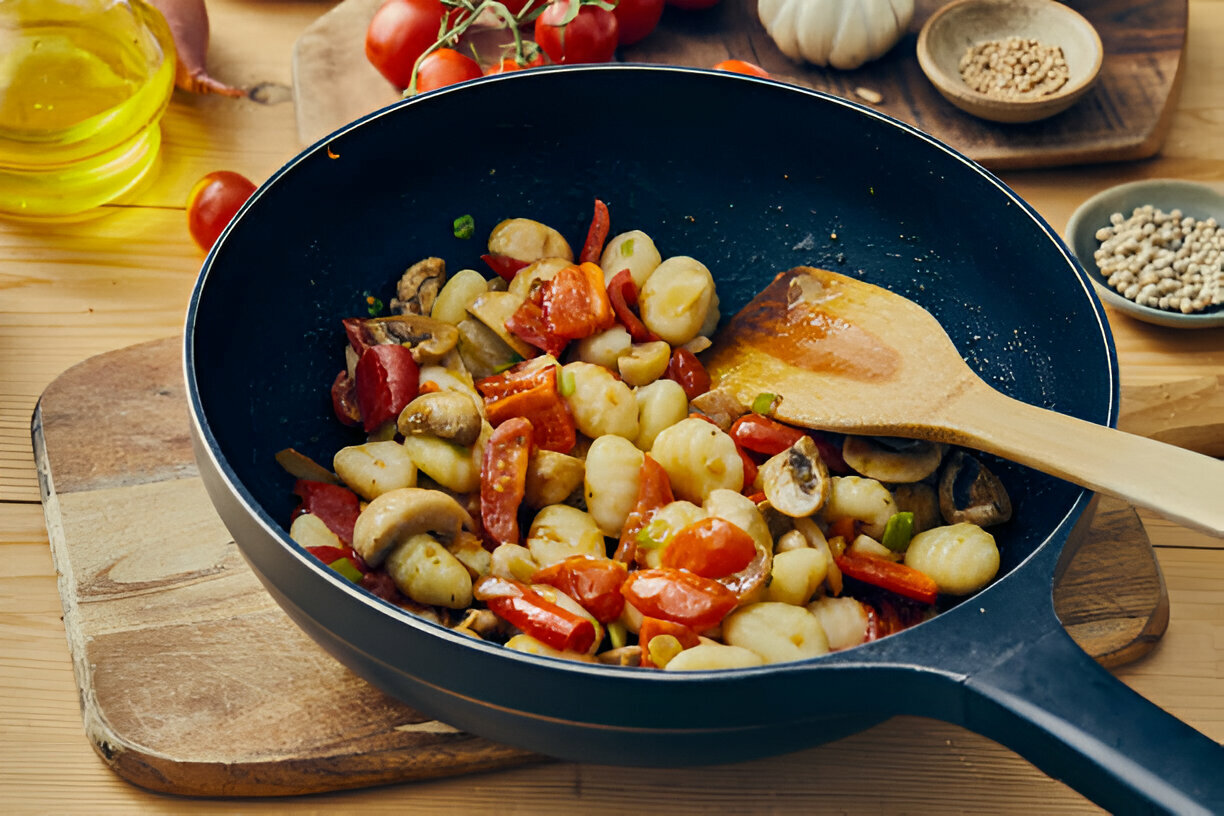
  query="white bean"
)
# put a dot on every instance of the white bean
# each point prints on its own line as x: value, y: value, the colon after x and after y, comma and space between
x: 600, y: 403
x: 699, y: 458
x: 778, y: 632
x: 559, y: 531
x: 661, y: 404
x: 613, y: 465
x: 675, y: 301
x: 959, y: 558
x: 633, y: 250
x: 375, y: 467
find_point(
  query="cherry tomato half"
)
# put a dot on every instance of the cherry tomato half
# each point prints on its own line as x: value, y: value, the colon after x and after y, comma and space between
x: 742, y: 67
x: 678, y: 596
x: 711, y: 548
x: 637, y: 18
x: 212, y: 203
x: 590, y: 37
x: 446, y: 66
x: 399, y: 32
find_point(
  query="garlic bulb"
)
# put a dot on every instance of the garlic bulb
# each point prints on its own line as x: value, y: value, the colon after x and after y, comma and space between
x: 839, y: 33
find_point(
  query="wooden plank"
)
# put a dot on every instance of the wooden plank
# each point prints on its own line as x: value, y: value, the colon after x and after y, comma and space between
x: 193, y: 681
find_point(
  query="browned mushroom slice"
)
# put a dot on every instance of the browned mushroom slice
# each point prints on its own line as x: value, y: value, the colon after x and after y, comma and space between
x: 483, y: 352
x: 890, y: 459
x: 445, y: 414
x: 493, y: 309
x: 968, y: 491
x: 720, y: 406
x: 428, y: 339
x: 398, y: 515
x: 796, y: 481
x: 920, y: 499
x: 552, y: 477
x: 418, y: 287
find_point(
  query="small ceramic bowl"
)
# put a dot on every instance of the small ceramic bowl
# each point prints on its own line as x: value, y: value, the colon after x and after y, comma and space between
x: 956, y: 27
x: 1192, y: 198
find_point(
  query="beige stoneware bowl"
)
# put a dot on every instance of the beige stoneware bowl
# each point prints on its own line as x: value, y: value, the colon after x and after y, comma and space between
x: 952, y: 30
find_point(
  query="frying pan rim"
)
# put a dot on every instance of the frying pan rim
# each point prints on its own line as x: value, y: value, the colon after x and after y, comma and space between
x: 208, y: 445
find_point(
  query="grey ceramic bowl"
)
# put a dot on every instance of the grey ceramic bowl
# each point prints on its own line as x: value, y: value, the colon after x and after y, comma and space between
x: 753, y: 177
x: 1192, y: 198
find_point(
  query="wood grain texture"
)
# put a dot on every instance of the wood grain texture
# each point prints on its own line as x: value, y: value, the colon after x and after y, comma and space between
x: 172, y: 637
x: 1126, y: 116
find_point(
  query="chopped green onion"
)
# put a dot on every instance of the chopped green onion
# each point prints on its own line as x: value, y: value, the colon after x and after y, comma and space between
x: 373, y: 305
x: 898, y: 531
x: 506, y: 366
x: 626, y: 248
x: 617, y: 634
x: 653, y: 535
x: 465, y: 227
x: 565, y: 385
x: 346, y: 568
x: 764, y: 403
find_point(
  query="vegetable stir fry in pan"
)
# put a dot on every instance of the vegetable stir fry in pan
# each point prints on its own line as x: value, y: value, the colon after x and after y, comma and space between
x: 546, y: 466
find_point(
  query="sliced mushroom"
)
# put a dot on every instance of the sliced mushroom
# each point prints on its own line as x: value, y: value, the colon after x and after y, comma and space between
x: 428, y: 339
x: 445, y: 414
x: 397, y: 515
x: 968, y: 491
x: 483, y: 352
x: 418, y: 287
x: 921, y: 500
x: 796, y: 481
x: 720, y: 406
x: 552, y: 477
x: 493, y: 309
x: 892, y: 459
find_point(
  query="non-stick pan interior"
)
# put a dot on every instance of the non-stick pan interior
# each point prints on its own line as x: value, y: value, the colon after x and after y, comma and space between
x: 748, y: 176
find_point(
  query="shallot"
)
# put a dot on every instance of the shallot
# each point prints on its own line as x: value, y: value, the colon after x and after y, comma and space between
x: 188, y: 22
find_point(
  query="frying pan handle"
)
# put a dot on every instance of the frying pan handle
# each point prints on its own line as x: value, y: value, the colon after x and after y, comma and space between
x: 1053, y: 704
x: 1179, y: 484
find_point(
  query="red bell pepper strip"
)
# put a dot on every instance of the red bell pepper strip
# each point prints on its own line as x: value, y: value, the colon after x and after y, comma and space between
x: 503, y: 480
x: 750, y: 470
x: 654, y: 491
x: 344, y: 399
x: 653, y: 627
x: 528, y: 610
x: 763, y: 435
x: 687, y: 370
x: 891, y: 575
x: 336, y: 506
x: 529, y: 324
x: 533, y: 395
x: 575, y: 302
x: 386, y: 380
x: 678, y: 596
x: 597, y: 234
x: 711, y: 548
x: 623, y: 295
x: 504, y: 265
x: 593, y: 582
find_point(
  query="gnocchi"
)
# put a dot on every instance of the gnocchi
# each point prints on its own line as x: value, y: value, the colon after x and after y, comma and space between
x: 634, y: 491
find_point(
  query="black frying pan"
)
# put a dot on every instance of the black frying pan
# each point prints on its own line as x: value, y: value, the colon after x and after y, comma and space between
x: 752, y: 177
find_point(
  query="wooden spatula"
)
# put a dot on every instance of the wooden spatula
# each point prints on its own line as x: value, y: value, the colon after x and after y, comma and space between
x: 848, y: 356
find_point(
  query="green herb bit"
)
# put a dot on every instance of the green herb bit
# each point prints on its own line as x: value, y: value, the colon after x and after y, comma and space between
x: 653, y: 535
x: 346, y: 568
x: 617, y: 634
x: 764, y: 403
x: 373, y: 305
x: 626, y: 248
x: 465, y: 227
x: 565, y: 385
x: 898, y: 531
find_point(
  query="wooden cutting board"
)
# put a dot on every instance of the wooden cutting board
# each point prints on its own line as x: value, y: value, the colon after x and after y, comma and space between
x: 1125, y: 117
x: 192, y: 680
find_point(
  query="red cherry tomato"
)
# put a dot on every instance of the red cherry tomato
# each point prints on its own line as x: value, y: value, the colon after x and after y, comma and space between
x: 387, y: 379
x: 742, y: 67
x: 212, y: 203
x: 681, y: 597
x: 446, y: 66
x: 399, y: 32
x: 590, y: 37
x: 763, y: 435
x: 687, y: 370
x: 636, y: 19
x: 336, y: 506
x: 503, y: 67
x: 653, y: 627
x: 503, y: 480
x: 711, y: 548
x: 593, y: 582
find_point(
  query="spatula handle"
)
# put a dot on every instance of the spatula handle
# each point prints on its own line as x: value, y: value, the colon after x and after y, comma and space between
x: 1181, y: 485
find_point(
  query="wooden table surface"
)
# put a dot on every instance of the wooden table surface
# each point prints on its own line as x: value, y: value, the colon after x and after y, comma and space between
x: 68, y: 292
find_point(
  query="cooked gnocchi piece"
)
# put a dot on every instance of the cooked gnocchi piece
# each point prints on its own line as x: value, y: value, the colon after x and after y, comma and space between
x: 559, y: 531
x: 632, y: 250
x: 661, y: 404
x: 611, y: 481
x: 777, y: 632
x: 959, y: 558
x: 375, y: 467
x: 600, y: 403
x: 676, y: 300
x: 699, y: 458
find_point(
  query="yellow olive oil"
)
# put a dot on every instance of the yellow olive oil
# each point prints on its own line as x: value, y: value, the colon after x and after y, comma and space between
x: 83, y: 85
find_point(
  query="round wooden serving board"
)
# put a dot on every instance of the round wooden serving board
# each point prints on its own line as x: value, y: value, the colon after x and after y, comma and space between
x: 193, y: 681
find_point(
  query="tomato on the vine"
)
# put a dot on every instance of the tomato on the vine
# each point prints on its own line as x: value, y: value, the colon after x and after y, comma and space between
x: 742, y: 67
x: 446, y: 66
x: 399, y: 32
x: 636, y: 19
x: 591, y: 36
x: 212, y: 203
